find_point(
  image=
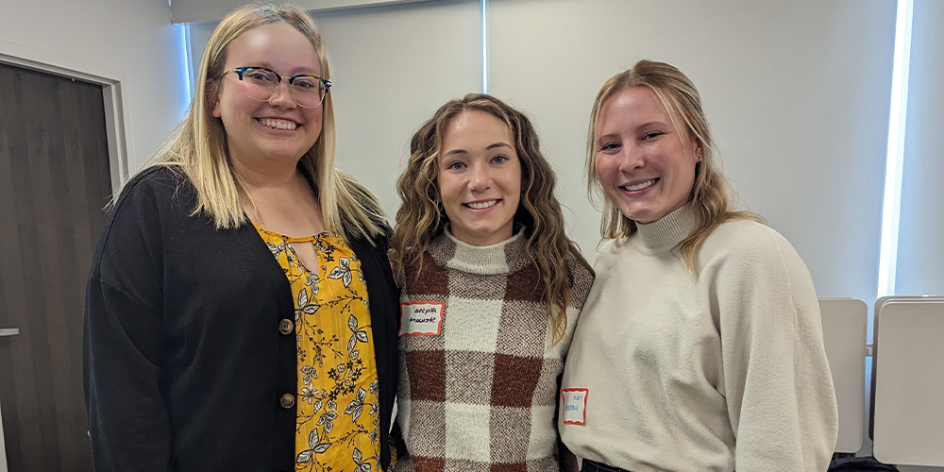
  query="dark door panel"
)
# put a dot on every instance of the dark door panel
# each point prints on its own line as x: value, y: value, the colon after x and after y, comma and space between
x: 54, y: 182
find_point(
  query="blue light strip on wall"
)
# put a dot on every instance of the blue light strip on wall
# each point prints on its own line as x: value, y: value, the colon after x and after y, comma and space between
x: 484, y: 46
x: 188, y: 61
x: 888, y: 257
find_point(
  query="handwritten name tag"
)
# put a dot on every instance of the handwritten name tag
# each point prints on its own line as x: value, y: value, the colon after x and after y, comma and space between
x: 421, y: 318
x: 575, y: 405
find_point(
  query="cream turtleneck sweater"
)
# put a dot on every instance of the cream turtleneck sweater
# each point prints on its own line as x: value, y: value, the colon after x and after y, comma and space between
x: 719, y: 369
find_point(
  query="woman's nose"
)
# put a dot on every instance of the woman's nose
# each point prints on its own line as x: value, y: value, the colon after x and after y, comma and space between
x: 480, y: 177
x: 282, y: 97
x: 631, y: 158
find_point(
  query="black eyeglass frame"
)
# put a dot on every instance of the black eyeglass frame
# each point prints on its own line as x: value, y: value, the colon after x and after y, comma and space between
x: 291, y: 80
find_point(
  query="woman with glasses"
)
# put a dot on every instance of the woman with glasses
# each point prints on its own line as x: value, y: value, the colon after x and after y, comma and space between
x: 700, y: 346
x: 241, y: 307
x: 491, y: 289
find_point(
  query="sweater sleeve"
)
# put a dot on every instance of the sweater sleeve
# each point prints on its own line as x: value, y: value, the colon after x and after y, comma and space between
x: 582, y: 281
x: 776, y: 380
x: 123, y: 342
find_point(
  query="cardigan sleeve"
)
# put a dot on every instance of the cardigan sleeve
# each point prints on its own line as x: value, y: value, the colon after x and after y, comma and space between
x: 384, y: 304
x: 776, y: 381
x: 123, y: 341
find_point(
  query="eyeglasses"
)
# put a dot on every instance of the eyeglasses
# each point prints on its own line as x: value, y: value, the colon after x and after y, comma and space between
x: 262, y: 84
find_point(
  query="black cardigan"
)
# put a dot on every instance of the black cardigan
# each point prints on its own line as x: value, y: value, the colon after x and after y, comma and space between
x: 184, y: 365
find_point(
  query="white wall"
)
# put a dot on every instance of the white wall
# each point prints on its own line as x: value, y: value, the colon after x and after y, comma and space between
x: 133, y: 38
x: 392, y: 68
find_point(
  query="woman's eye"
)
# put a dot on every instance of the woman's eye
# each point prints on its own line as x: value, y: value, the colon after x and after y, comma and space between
x: 260, y: 76
x: 304, y: 83
x: 455, y: 166
x: 652, y: 135
x: 609, y: 147
x: 499, y: 159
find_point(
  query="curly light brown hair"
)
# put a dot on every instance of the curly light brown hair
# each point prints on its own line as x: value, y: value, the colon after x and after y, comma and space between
x: 421, y: 217
x: 711, y: 195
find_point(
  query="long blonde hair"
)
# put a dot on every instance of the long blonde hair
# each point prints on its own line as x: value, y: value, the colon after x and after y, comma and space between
x: 421, y: 217
x: 711, y: 195
x: 198, y: 146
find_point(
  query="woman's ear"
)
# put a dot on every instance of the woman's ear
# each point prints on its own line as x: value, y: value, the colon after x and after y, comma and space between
x: 699, y: 154
x: 212, y: 92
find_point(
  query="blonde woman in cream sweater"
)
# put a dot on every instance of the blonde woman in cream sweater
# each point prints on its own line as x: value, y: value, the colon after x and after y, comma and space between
x: 700, y: 346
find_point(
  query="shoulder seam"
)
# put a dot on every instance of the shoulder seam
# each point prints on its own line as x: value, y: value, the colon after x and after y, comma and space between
x: 125, y: 292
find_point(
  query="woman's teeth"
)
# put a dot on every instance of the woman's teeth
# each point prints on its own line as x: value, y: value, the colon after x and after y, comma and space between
x: 278, y: 124
x: 482, y: 205
x: 641, y: 186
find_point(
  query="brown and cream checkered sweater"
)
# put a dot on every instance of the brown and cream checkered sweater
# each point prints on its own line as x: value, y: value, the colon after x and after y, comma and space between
x: 481, y: 395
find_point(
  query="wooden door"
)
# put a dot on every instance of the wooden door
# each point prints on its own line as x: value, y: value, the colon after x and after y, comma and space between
x: 54, y: 183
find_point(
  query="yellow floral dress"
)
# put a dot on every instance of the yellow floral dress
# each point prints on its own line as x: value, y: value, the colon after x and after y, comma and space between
x: 338, y: 423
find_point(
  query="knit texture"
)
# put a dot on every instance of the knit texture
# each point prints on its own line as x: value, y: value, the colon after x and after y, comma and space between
x: 482, y: 395
x: 719, y: 369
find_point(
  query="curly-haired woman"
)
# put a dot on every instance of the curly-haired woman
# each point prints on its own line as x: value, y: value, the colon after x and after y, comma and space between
x: 490, y: 292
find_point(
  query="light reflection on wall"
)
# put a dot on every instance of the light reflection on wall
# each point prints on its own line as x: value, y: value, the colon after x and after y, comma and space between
x: 888, y: 258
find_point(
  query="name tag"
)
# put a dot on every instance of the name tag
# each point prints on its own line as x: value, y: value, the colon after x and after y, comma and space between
x: 421, y: 318
x: 574, y: 405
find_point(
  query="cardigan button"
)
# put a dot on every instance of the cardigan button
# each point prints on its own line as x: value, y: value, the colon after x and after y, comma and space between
x: 286, y: 326
x: 287, y: 401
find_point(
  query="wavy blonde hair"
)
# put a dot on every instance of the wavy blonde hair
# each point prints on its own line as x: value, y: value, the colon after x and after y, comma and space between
x: 198, y: 146
x: 711, y: 195
x: 421, y: 217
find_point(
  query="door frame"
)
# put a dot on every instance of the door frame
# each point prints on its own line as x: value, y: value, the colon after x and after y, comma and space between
x: 114, y: 93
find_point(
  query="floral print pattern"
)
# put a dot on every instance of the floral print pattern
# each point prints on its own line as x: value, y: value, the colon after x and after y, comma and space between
x: 336, y: 364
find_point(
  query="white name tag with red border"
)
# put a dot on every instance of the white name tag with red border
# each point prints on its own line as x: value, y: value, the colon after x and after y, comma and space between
x: 575, y: 405
x: 421, y: 318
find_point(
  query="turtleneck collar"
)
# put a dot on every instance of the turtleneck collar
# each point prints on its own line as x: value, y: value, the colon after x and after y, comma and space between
x: 667, y: 232
x: 501, y: 258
